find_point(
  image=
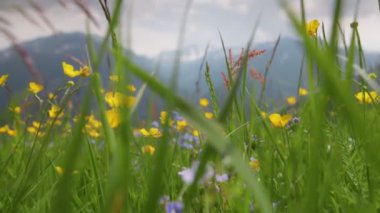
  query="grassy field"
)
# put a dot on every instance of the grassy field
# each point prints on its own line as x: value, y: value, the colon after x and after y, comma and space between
x: 315, y: 152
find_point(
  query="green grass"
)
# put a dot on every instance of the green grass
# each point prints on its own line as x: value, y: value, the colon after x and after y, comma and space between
x: 327, y: 162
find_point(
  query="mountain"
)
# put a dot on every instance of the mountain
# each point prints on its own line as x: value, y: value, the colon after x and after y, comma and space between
x: 49, y: 52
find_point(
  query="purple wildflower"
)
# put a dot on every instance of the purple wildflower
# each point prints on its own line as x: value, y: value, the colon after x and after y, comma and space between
x: 164, y: 199
x: 188, y: 175
x: 222, y: 178
x: 174, y: 207
x: 155, y: 124
x: 186, y: 141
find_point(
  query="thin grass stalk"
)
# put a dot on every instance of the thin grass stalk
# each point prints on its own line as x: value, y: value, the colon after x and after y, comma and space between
x: 267, y: 69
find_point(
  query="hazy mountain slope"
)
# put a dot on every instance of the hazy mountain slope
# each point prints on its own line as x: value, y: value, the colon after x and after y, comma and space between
x: 49, y: 52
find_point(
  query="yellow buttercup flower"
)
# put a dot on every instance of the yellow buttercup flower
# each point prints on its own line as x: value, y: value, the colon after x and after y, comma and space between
x: 69, y: 70
x: 366, y: 97
x: 53, y: 112
x: 148, y: 149
x: 114, y: 99
x: 181, y: 125
x: 254, y: 164
x: 312, y: 27
x: 302, y: 91
x: 92, y: 126
x: 209, y: 115
x: 59, y: 170
x: 113, y: 117
x: 114, y: 78
x: 163, y: 117
x: 35, y: 88
x: 278, y: 120
x: 3, y: 80
x: 291, y: 100
x: 11, y: 132
x: 93, y: 133
x: 203, y: 102
x: 35, y: 128
x: 154, y: 132
x: 51, y: 96
x: 131, y: 88
x: 5, y: 129
x: 15, y: 110
x: 372, y: 75
x: 196, y: 133
x: 144, y: 132
x: 93, y: 122
x: 130, y: 101
x: 85, y: 71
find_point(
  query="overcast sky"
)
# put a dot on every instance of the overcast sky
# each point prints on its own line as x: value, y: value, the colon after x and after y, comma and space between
x: 156, y: 23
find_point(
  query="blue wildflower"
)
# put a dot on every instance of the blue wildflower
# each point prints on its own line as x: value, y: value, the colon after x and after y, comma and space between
x: 221, y: 178
x: 188, y: 174
x: 174, y: 207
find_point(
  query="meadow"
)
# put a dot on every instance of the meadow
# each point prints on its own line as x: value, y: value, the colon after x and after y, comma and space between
x: 317, y: 151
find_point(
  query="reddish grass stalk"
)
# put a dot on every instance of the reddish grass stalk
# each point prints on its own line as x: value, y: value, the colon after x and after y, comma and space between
x: 25, y: 57
x: 40, y: 10
x: 86, y: 10
x: 26, y: 15
x: 76, y: 60
x: 235, y: 66
x: 5, y: 21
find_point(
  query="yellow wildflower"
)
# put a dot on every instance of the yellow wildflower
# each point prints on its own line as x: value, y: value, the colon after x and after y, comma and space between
x: 130, y: 101
x: 54, y: 110
x: 291, y: 100
x: 51, y: 96
x: 36, y: 124
x: 163, y: 117
x: 131, y: 88
x: 35, y: 88
x: 254, y: 164
x: 312, y: 27
x: 196, y: 133
x: 372, y: 75
x: 5, y: 129
x: 35, y: 128
x: 92, y: 126
x: 114, y: 99
x: 209, y: 115
x: 144, y: 132
x: 93, y: 133
x: 15, y: 110
x: 154, y: 132
x: 302, y: 91
x: 3, y: 80
x: 93, y: 122
x: 181, y: 125
x: 203, y: 102
x: 113, y: 117
x: 69, y: 70
x: 59, y: 170
x: 31, y: 129
x: 148, y: 149
x: 366, y: 97
x: 114, y: 78
x: 70, y: 83
x: 11, y: 132
x: 279, y: 121
x: 85, y: 71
